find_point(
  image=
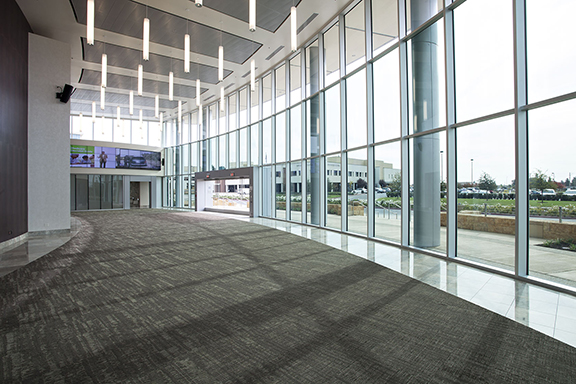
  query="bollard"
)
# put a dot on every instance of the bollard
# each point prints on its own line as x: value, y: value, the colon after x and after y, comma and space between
x: 560, y: 214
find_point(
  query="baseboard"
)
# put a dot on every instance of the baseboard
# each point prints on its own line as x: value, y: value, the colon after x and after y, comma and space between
x: 11, y: 243
x: 37, y: 234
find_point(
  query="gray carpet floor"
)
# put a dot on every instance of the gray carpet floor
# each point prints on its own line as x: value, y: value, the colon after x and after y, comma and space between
x: 153, y: 296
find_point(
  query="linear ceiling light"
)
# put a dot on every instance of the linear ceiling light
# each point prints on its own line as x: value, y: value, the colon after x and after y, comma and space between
x: 118, y: 114
x: 131, y: 103
x: 198, y: 3
x: 220, y: 63
x: 221, y: 99
x: 104, y: 70
x: 156, y: 106
x: 171, y: 86
x: 146, y: 39
x: 252, y: 19
x: 93, y: 111
x: 187, y: 53
x: 253, y: 75
x: 90, y: 22
x: 294, y: 37
x: 102, y: 98
x: 140, y: 79
x: 197, y: 92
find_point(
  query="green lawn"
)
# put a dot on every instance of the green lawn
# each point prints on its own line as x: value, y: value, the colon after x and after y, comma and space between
x: 489, y: 202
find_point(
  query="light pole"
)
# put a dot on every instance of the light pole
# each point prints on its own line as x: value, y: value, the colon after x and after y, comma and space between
x: 441, y: 166
x: 472, y: 170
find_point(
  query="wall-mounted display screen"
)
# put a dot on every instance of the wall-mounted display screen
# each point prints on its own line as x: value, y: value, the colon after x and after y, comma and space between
x: 86, y: 156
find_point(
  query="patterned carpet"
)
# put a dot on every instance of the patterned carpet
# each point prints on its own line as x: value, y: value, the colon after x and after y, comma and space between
x: 151, y: 296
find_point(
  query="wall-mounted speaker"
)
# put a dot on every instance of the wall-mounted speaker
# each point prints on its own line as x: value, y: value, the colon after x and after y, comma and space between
x: 65, y: 93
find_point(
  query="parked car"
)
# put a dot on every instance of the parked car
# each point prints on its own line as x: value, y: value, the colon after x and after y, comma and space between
x: 570, y: 192
x: 549, y: 194
x: 137, y: 162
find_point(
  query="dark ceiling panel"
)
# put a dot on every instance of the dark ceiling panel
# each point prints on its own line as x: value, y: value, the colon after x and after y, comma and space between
x: 125, y: 17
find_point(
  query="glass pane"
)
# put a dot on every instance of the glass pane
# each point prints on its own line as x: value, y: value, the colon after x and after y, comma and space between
x: 254, y: 100
x: 553, y: 190
x: 419, y: 11
x: 332, y: 118
x: 93, y: 191
x: 243, y: 147
x: 204, y: 155
x: 313, y: 126
x: 486, y: 171
x: 267, y: 96
x: 550, y: 48
x: 213, y: 154
x: 154, y: 132
x: 356, y: 111
x: 213, y: 120
x: 194, y: 126
x: 194, y: 157
x: 312, y: 68
x: 232, y: 117
x: 232, y: 161
x: 103, y: 129
x: 384, y: 24
x: 295, y: 80
x: 355, y: 37
x: 81, y: 192
x: 281, y: 88
x: 267, y: 141
x: 186, y: 191
x: 222, y: 152
x: 254, y: 139
x: 296, y: 133
x: 388, y: 184
x: 296, y: 191
x: 243, y: 107
x: 117, y: 192
x: 267, y: 196
x: 313, y: 191
x: 122, y: 132
x: 427, y: 78
x: 72, y: 192
x: 387, y: 97
x: 484, y: 60
x: 332, y: 55
x: 186, y: 158
x: 334, y: 191
x: 222, y: 128
x: 139, y: 132
x: 426, y: 171
x: 281, y: 137
x: 280, y: 176
x: 357, y: 191
x: 185, y: 128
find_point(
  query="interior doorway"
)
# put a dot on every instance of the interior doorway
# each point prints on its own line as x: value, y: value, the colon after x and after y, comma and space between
x: 140, y: 194
x: 230, y: 191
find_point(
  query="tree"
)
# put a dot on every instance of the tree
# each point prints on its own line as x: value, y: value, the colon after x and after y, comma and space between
x: 486, y: 182
x: 567, y: 182
x: 540, y: 181
x: 361, y: 183
x: 396, y: 184
x: 382, y: 183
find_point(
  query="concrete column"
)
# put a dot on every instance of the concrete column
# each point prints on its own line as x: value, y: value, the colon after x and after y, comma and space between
x: 426, y: 109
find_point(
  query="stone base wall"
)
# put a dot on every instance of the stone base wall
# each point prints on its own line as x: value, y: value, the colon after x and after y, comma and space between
x: 334, y: 209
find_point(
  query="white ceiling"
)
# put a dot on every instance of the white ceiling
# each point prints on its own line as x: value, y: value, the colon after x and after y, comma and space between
x: 118, y: 36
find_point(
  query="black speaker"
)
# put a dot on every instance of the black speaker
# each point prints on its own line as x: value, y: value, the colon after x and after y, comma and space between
x: 162, y: 162
x: 64, y: 96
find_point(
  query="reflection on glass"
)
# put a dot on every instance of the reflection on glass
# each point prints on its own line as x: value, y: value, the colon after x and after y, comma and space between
x: 484, y: 60
x: 384, y: 24
x: 313, y: 191
x: 267, y: 141
x: 254, y: 102
x: 388, y: 185
x: 213, y: 154
x: 355, y: 37
x: 551, y: 61
x: 280, y: 187
x: 93, y: 191
x: 332, y: 55
x: 419, y: 11
x: 295, y: 80
x: 313, y: 126
x: 267, y: 96
x: 267, y: 196
x: 194, y: 157
x: 106, y: 191
x: 232, y: 161
x: 230, y: 194
x: 222, y: 153
x: 243, y: 96
x: 243, y: 147
x: 81, y: 192
x: 281, y: 88
x: 296, y: 191
x: 296, y: 133
x: 332, y: 118
x: 357, y: 191
x: 281, y: 137
x: 255, y: 148
x: 185, y: 158
x: 356, y: 112
x: 334, y: 192
x: 232, y: 120
x: 387, y: 97
x: 312, y: 68
x: 117, y: 192
x: 552, y: 192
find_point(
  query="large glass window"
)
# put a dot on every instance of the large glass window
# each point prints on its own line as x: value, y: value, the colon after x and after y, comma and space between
x: 254, y: 102
x: 356, y: 111
x: 296, y: 133
x: 388, y: 188
x: 332, y: 55
x: 313, y: 126
x: 419, y: 11
x: 312, y: 68
x: 213, y: 119
x: 213, y: 154
x: 267, y: 141
x: 194, y: 157
x: 295, y: 80
x: 384, y: 24
x: 334, y: 191
x: 332, y: 119
x: 357, y: 191
x: 94, y: 192
x: 267, y: 96
x: 194, y: 126
x: 243, y: 147
x: 222, y: 153
x: 313, y: 191
x: 255, y: 144
x: 222, y: 127
x: 387, y: 97
x: 185, y: 128
x: 243, y: 100
x: 281, y: 88
x: 355, y: 37
x: 280, y: 177
x: 233, y: 162
x: 281, y: 137
x: 103, y: 129
x: 296, y: 191
x: 484, y: 59
x: 232, y: 117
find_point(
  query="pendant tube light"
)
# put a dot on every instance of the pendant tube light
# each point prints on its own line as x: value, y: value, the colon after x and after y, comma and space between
x: 179, y: 114
x: 140, y: 79
x: 90, y: 22
x: 253, y: 75
x: 104, y: 70
x: 146, y: 39
x: 198, y: 92
x: 131, y: 103
x: 161, y: 120
x: 102, y: 98
x: 156, y: 106
x: 187, y: 53
x: 198, y: 3
x: 252, y: 16
x: 93, y: 111
x: 171, y: 86
x: 220, y: 63
x: 80, y: 123
x: 293, y: 35
x: 221, y: 99
x: 118, y: 114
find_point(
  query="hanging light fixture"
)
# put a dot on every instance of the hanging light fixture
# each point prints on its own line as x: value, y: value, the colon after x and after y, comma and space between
x: 221, y: 99
x: 253, y: 75
x: 118, y: 114
x: 161, y: 120
x: 220, y: 63
x: 131, y: 103
x: 198, y: 92
x: 187, y: 52
x: 93, y: 111
x: 146, y: 38
x: 104, y: 70
x: 140, y: 79
x: 156, y: 106
x: 293, y: 35
x: 198, y: 3
x: 179, y: 114
x: 171, y: 86
x: 102, y: 98
x: 80, y: 123
x: 90, y: 22
x: 252, y: 19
